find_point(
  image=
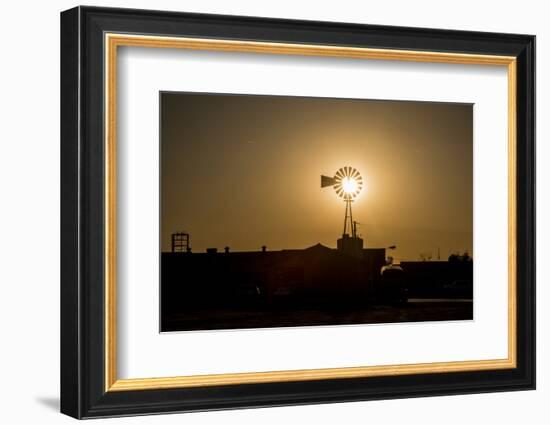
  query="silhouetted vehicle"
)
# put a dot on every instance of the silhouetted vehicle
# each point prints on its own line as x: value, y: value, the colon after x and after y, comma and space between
x: 392, y: 287
x: 460, y: 289
x: 433, y: 279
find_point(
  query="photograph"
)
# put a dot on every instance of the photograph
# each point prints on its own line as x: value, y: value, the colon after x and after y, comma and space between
x: 284, y: 211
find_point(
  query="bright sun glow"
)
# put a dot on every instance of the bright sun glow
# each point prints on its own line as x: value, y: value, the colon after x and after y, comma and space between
x: 349, y: 184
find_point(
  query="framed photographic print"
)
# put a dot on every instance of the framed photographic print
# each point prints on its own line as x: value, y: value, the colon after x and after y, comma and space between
x: 261, y: 212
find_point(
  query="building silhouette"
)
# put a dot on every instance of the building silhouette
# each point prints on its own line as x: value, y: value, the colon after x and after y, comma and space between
x: 314, y: 276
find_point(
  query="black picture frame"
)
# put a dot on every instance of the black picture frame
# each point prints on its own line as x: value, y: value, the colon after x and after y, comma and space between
x: 83, y: 392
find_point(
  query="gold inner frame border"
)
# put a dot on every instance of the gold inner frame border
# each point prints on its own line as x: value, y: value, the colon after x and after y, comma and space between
x: 111, y: 43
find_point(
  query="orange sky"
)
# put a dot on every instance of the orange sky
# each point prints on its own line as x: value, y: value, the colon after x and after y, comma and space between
x: 243, y: 171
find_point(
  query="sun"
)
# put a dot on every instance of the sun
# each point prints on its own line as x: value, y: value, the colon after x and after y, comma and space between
x: 349, y: 184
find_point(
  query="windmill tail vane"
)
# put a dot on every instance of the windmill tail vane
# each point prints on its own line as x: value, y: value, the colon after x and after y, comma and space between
x: 327, y: 181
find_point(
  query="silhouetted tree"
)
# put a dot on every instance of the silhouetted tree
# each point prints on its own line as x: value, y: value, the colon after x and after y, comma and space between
x: 455, y: 257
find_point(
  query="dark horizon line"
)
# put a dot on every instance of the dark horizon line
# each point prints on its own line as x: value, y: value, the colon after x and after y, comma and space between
x: 222, y: 251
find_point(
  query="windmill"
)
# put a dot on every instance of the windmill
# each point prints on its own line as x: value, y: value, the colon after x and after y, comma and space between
x: 347, y: 183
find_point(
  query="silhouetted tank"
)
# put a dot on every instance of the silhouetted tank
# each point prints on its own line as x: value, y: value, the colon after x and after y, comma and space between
x: 392, y: 287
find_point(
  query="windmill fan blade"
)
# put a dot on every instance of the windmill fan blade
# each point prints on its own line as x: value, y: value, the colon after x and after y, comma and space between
x: 347, y: 182
x: 327, y: 181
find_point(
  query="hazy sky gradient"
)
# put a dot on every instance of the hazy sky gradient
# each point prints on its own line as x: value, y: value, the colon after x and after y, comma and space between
x: 243, y: 171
